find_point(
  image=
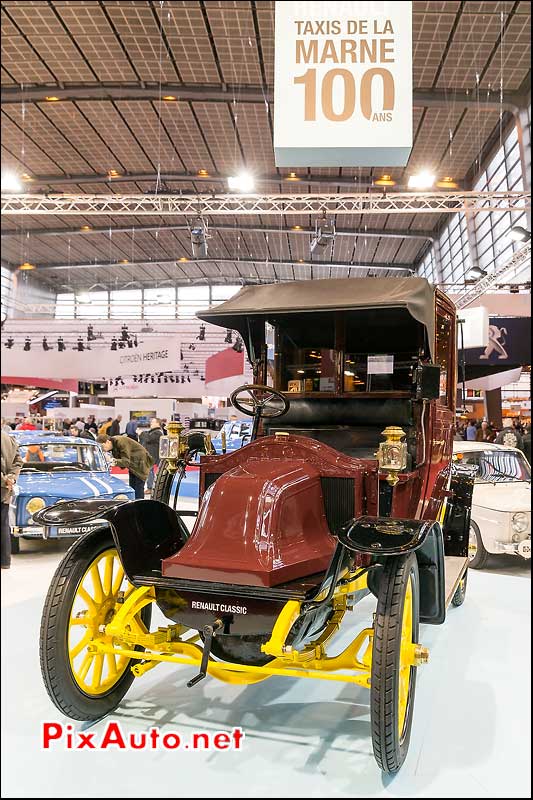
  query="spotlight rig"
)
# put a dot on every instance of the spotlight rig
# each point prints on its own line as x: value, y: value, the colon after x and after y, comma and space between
x: 324, y: 235
x: 46, y: 346
x: 9, y: 343
x: 201, y: 334
x: 60, y: 345
x: 27, y: 344
x: 199, y: 237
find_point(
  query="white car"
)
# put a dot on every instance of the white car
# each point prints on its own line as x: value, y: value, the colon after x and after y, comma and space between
x: 501, y: 506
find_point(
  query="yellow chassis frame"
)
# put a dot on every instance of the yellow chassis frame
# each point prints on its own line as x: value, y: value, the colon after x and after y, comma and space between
x: 125, y: 631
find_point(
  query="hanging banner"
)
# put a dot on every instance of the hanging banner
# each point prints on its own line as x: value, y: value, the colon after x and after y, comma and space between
x: 509, y: 344
x: 149, y: 357
x: 343, y: 93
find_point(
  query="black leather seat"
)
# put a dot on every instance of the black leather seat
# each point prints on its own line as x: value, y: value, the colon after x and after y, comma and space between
x: 351, y: 425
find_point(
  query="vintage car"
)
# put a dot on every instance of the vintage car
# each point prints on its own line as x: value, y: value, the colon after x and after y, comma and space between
x: 57, y: 468
x: 501, y: 505
x: 233, y: 435
x: 345, y: 489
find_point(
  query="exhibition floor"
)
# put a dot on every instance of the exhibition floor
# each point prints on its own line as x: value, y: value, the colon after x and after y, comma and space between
x: 302, y: 738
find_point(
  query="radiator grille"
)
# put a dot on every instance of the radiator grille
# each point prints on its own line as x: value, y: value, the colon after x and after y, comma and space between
x: 339, y: 501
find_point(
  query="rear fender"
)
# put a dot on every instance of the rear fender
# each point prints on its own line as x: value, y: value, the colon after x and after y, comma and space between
x: 456, y: 524
x: 384, y: 536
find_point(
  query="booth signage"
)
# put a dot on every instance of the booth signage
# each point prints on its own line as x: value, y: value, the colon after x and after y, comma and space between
x: 149, y: 357
x: 343, y: 93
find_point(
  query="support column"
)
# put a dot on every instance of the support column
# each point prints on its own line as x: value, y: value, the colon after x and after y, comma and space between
x: 493, y: 406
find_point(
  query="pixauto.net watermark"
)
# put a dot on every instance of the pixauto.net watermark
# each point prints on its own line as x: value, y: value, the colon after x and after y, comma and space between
x: 60, y: 736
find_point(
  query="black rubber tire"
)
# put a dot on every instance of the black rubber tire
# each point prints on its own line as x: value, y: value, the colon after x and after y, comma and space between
x: 460, y: 593
x: 390, y: 750
x: 481, y: 557
x: 15, y: 545
x: 164, y: 481
x: 55, y: 665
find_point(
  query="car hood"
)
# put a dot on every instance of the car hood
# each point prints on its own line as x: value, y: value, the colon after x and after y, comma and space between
x: 70, y: 485
x: 508, y: 496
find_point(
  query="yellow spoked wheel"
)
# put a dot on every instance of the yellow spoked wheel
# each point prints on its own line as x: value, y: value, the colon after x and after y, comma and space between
x: 406, y: 646
x: 393, y: 675
x: 88, y: 587
x: 99, y: 592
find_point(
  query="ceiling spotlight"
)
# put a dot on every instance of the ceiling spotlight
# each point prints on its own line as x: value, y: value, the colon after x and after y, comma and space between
x: 11, y: 182
x: 514, y: 289
x: 9, y: 343
x: 519, y: 234
x: 243, y: 182
x: 27, y: 344
x: 478, y: 272
x: 188, y: 379
x: 60, y: 345
x: 80, y: 346
x: 51, y: 98
x: 169, y: 98
x: 238, y: 345
x: 113, y: 343
x: 424, y: 180
x: 229, y: 336
x: 201, y: 335
x: 46, y: 346
x: 199, y: 237
x: 130, y: 343
x: 324, y: 234
x: 113, y: 173
x: 90, y: 333
x: 203, y: 173
x: 447, y: 183
x: 26, y: 266
x: 124, y: 335
x: 121, y: 345
x: 183, y: 378
x: 385, y: 180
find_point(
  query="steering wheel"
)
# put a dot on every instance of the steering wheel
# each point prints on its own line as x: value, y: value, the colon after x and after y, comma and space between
x: 254, y: 399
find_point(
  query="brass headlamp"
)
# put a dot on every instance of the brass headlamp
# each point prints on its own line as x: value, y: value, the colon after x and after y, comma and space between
x: 392, y: 453
x: 173, y: 446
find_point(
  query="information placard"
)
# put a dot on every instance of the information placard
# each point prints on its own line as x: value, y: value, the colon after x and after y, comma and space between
x: 343, y: 84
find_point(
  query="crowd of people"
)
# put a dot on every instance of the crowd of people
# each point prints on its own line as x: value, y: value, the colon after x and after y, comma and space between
x: 512, y: 433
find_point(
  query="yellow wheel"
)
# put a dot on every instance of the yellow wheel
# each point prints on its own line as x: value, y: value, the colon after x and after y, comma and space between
x: 393, y: 676
x: 88, y: 587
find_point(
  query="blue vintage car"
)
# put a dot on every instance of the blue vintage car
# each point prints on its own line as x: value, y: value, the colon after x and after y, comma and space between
x: 58, y: 468
x: 237, y: 433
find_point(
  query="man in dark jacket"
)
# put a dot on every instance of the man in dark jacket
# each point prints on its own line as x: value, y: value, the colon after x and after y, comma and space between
x: 114, y: 428
x: 129, y: 455
x: 150, y: 440
x: 11, y: 464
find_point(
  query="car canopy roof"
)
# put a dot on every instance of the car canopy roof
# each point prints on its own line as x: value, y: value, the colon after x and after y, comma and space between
x: 414, y: 294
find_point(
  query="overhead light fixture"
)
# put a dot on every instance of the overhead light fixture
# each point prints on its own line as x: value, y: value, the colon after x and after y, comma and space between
x: 26, y: 178
x: 124, y: 261
x: 183, y: 258
x: 296, y: 228
x: 60, y: 345
x: 229, y: 336
x: 51, y: 98
x: 113, y: 173
x: 424, y: 180
x: 447, y: 183
x: 199, y: 237
x: 80, y: 345
x: 292, y: 176
x: 9, y: 343
x: 514, y: 289
x: 85, y: 228
x: 46, y: 346
x: 238, y: 345
x: 243, y: 182
x: 114, y: 343
x: 90, y: 333
x: 519, y: 234
x: 26, y: 266
x: 201, y: 334
x: 385, y: 180
x: 203, y: 173
x: 27, y: 344
x: 124, y: 333
x: 324, y: 234
x: 478, y: 272
x: 11, y: 182
x: 169, y: 98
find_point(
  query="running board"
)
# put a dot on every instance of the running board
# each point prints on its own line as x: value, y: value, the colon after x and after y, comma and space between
x: 454, y: 568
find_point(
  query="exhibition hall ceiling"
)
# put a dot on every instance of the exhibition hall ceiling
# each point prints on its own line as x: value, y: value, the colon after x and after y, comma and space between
x: 88, y: 107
